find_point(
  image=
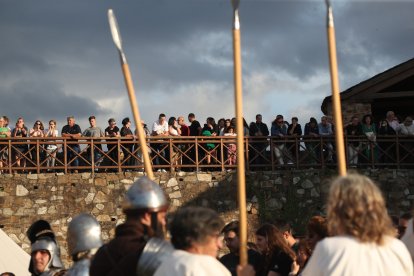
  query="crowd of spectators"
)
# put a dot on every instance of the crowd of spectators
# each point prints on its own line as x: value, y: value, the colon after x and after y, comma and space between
x: 356, y: 237
x: 317, y: 138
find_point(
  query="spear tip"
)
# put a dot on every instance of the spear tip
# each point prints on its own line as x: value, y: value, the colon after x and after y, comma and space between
x: 329, y: 14
x: 235, y: 4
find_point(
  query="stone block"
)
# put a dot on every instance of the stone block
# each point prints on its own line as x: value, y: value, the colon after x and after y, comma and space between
x: 300, y: 191
x: 42, y: 210
x: 55, y: 197
x: 40, y: 201
x: 100, y: 181
x: 62, y: 179
x: 14, y: 238
x: 314, y: 193
x: 89, y: 198
x: 43, y: 176
x: 190, y: 178
x: 21, y: 190
x: 52, y: 210
x: 100, y: 206
x: 85, y: 175
x: 204, y: 177
x: 176, y: 203
x: 307, y: 184
x: 32, y: 176
x: 127, y: 181
x: 172, y: 182
x: 176, y: 194
x: 296, y: 180
x: 103, y: 218
x: 181, y: 173
x: 100, y: 197
x: 277, y: 181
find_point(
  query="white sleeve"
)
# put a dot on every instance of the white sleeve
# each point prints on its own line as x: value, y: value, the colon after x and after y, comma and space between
x: 154, y: 127
x: 408, y: 238
x: 313, y: 267
x: 165, y: 126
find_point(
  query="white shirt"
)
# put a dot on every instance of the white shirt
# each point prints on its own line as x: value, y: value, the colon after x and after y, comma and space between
x: 406, y: 130
x: 160, y: 128
x: 408, y: 238
x: 50, y: 133
x: 346, y: 256
x: 183, y: 263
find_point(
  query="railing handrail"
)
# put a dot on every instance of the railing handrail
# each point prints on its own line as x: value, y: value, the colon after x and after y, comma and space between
x: 198, y: 152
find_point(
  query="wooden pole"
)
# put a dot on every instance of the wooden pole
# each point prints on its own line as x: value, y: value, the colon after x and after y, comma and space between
x: 238, y: 95
x: 137, y: 119
x: 131, y: 93
x: 336, y: 98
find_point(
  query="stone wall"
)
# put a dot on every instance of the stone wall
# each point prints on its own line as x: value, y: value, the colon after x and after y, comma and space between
x: 350, y: 109
x: 292, y: 194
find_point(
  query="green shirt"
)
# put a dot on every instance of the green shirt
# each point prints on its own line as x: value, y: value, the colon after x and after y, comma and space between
x: 3, y: 131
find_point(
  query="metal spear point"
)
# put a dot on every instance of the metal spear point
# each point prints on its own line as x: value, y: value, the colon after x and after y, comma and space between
x: 241, y: 182
x: 336, y: 98
x: 116, y: 36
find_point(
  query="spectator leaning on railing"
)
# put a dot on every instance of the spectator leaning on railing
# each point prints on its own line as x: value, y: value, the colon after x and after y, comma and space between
x: 73, y: 132
x: 363, y: 146
x: 95, y: 132
x: 20, y: 149
x: 4, y: 133
x: 51, y: 147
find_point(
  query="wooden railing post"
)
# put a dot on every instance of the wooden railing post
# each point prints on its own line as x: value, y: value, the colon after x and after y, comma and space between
x: 37, y: 156
x: 65, y: 155
x: 118, y: 144
x: 196, y: 153
x: 10, y: 157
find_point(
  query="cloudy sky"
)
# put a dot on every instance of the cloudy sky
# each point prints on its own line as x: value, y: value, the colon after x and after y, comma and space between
x: 57, y: 58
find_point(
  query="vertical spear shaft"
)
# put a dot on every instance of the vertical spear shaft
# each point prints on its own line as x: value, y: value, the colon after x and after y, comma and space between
x: 116, y: 36
x: 336, y: 98
x: 241, y: 181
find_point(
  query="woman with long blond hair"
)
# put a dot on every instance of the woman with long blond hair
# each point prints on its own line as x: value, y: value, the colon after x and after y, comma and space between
x: 362, y: 238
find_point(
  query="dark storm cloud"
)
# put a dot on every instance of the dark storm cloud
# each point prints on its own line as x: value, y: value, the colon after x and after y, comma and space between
x: 171, y: 46
x: 45, y: 101
x: 379, y: 34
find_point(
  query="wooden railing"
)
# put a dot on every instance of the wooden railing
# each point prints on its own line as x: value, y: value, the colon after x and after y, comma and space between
x: 34, y: 155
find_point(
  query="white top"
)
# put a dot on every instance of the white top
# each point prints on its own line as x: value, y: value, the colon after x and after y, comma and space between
x: 12, y: 257
x: 346, y: 256
x: 160, y: 128
x: 51, y: 133
x: 408, y: 238
x: 406, y: 130
x: 183, y: 263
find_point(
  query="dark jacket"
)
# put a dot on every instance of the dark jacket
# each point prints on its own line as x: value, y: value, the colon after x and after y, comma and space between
x: 255, y: 128
x: 120, y: 256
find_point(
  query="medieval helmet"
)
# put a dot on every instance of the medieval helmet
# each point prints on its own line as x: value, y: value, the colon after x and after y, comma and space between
x: 145, y: 196
x: 84, y: 234
x: 42, y: 237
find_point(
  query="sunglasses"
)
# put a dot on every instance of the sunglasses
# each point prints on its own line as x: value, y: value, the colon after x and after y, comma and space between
x: 38, y: 123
